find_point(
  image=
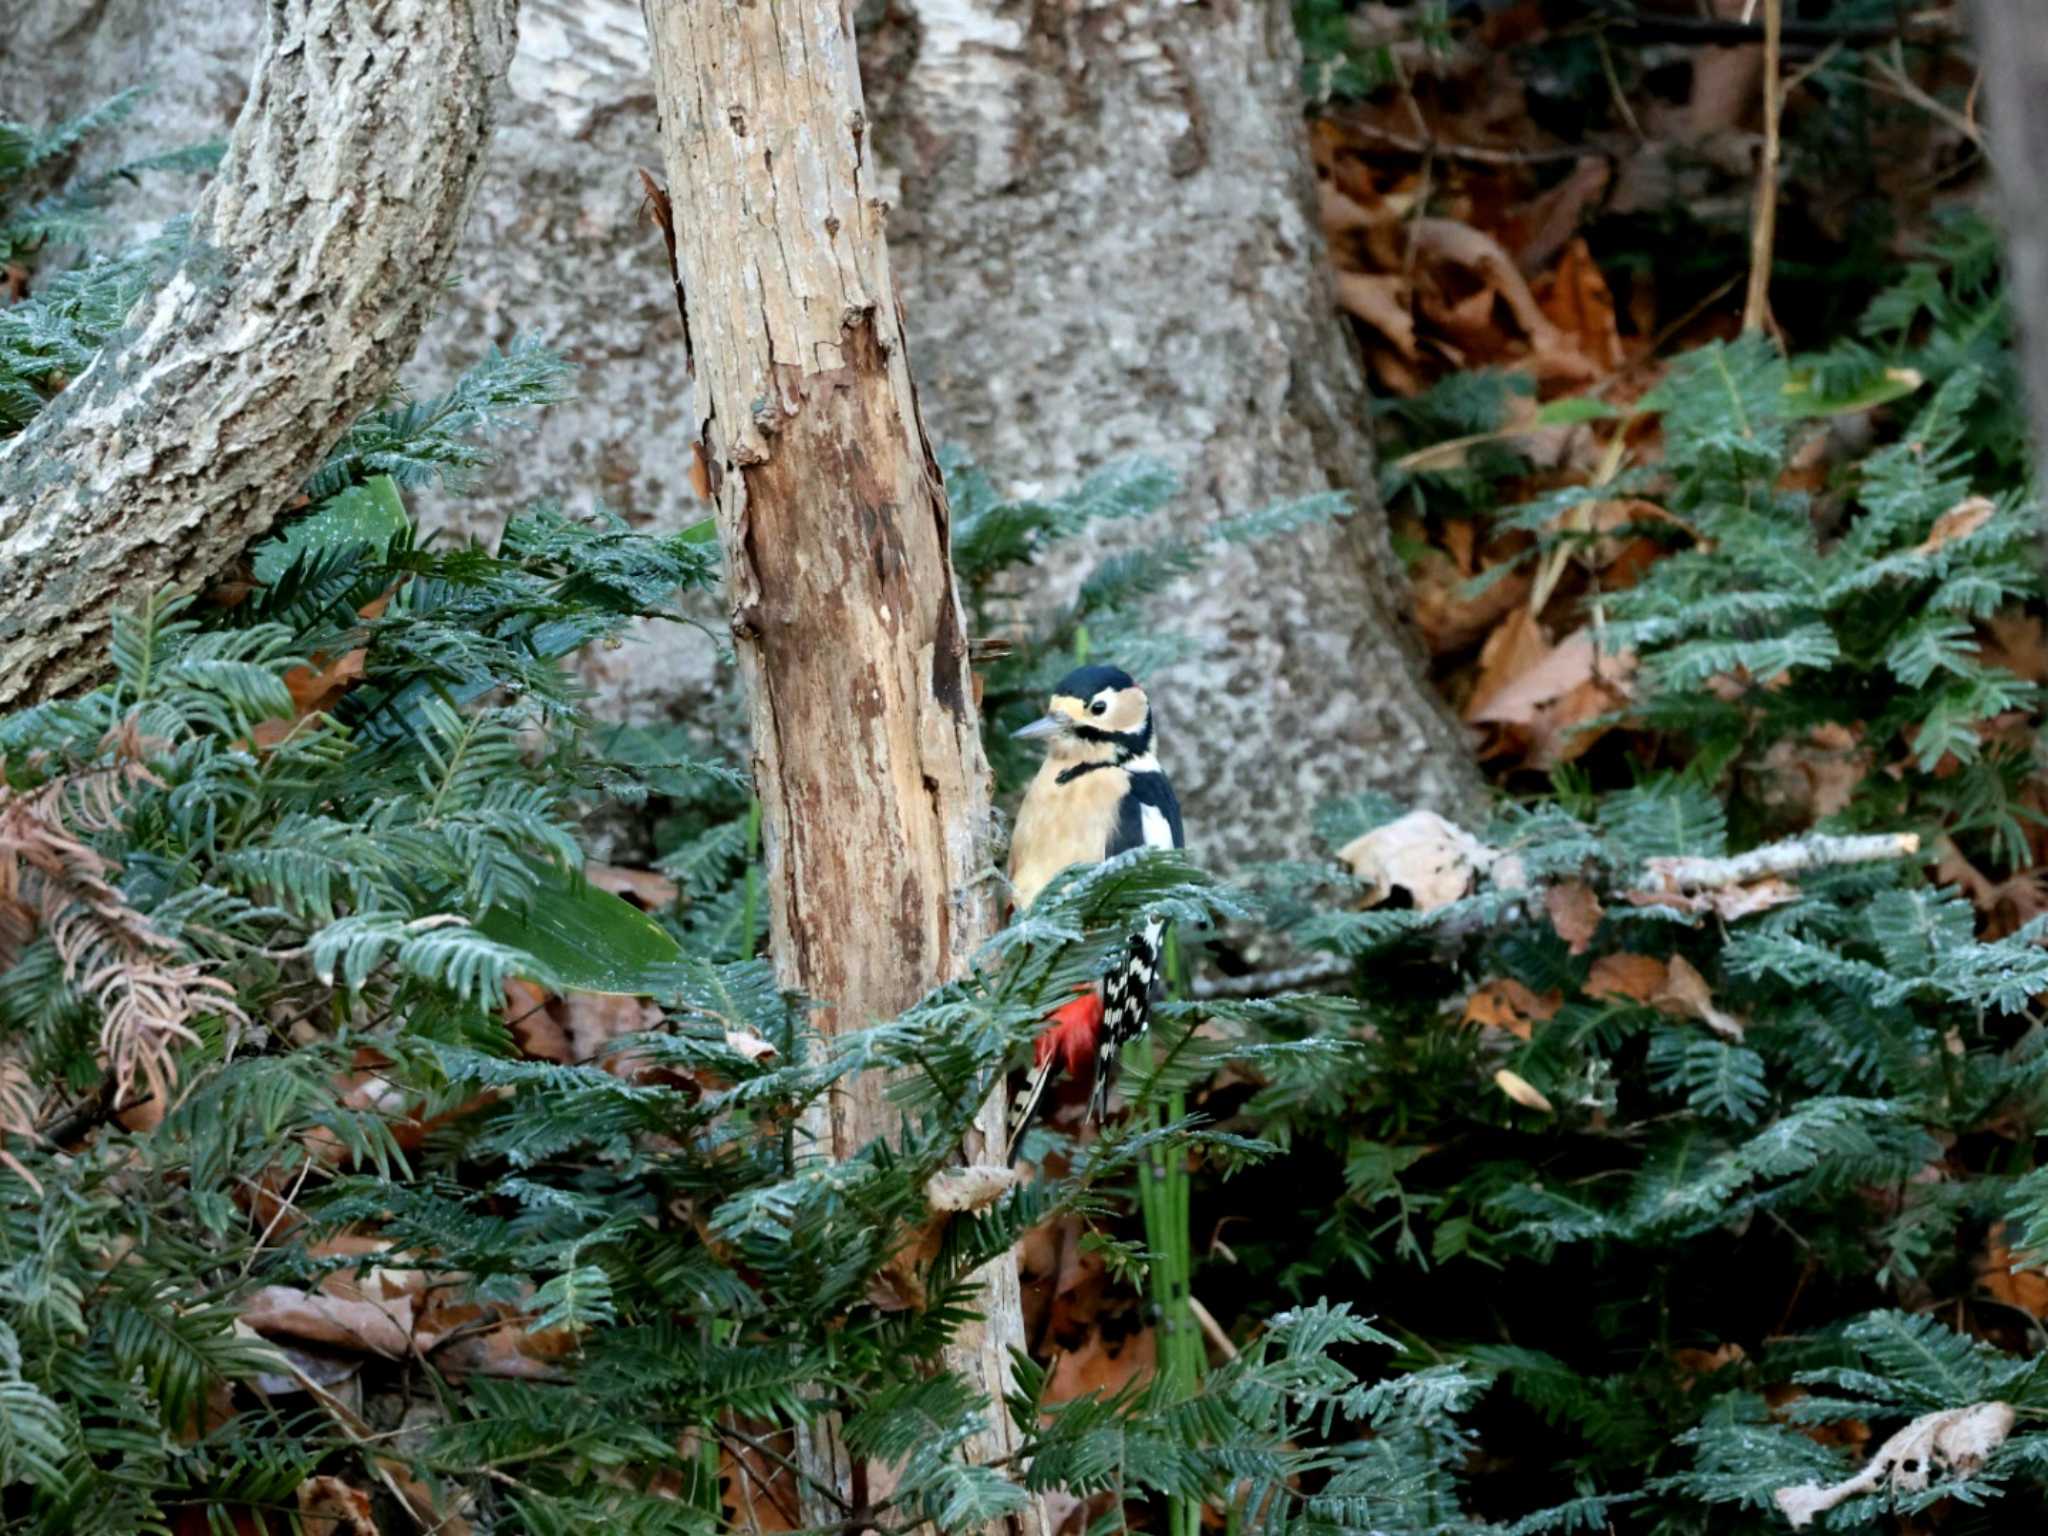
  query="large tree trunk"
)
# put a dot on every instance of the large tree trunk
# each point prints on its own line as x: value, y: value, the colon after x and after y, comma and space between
x: 1104, y: 239
x: 1109, y: 245
x: 867, y: 749
x: 317, y: 252
x: 2012, y: 44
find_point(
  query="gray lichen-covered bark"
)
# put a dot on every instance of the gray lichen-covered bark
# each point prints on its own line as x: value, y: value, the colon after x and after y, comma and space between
x: 316, y: 255
x: 1108, y: 242
x: 1104, y: 242
x: 2013, y: 49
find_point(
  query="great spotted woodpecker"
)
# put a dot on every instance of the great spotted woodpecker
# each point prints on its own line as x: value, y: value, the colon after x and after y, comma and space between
x: 1100, y: 792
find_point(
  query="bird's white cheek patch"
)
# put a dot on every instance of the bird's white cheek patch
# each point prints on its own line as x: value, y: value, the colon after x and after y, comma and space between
x: 1158, y: 831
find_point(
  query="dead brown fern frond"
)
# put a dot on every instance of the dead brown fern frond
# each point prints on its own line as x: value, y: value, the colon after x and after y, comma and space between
x: 55, y: 883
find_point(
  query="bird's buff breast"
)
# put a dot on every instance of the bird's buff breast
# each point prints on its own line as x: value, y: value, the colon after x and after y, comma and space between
x: 1062, y: 824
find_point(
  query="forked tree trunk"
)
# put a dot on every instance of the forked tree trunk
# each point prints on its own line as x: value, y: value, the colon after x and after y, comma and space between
x: 867, y: 750
x: 317, y: 252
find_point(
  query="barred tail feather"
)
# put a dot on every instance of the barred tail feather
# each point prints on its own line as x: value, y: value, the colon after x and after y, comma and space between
x: 1126, y: 1008
x: 1028, y: 1099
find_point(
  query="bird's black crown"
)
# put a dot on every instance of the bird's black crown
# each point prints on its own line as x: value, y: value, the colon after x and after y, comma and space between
x: 1086, y: 682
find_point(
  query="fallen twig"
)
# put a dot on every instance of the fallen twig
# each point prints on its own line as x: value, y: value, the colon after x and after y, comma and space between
x: 1815, y: 851
x: 1287, y: 978
x: 1756, y: 309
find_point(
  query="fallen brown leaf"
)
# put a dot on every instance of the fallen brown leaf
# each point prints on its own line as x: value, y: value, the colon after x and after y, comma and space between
x: 2026, y: 1288
x: 1521, y: 1090
x: 1578, y: 302
x: 1685, y: 992
x: 529, y: 1015
x: 378, y: 1325
x: 330, y: 1507
x: 1636, y: 978
x: 1381, y: 301
x: 2018, y: 644
x: 643, y: 887
x: 1505, y: 1003
x: 1102, y: 1365
x: 1695, y: 1363
x: 593, y: 1020
x: 1574, y: 912
x: 1516, y: 648
x: 1957, y: 524
x: 898, y: 1286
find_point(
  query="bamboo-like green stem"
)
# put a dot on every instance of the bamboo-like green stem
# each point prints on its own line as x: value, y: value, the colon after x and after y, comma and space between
x: 1163, y: 1198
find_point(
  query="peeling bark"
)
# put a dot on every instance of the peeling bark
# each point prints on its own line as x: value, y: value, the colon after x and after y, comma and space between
x: 316, y: 254
x: 1109, y: 245
x: 867, y: 751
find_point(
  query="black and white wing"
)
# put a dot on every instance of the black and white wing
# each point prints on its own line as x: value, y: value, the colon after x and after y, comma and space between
x: 1148, y: 818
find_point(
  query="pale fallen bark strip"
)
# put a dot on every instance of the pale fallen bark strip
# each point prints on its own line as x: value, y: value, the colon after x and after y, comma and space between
x: 1951, y: 1440
x: 315, y: 256
x: 1814, y: 851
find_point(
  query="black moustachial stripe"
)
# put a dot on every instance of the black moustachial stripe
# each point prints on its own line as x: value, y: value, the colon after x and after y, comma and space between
x: 1068, y: 775
x: 1129, y: 743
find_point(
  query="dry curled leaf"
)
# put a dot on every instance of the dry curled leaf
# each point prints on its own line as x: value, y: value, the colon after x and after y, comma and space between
x: 1422, y: 854
x: 973, y: 1188
x: 1957, y: 524
x: 753, y: 1047
x: 330, y: 1507
x: 1685, y: 992
x: 1521, y: 1090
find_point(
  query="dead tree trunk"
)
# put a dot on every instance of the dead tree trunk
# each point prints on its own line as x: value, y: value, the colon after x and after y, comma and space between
x: 2013, y: 46
x: 867, y: 751
x: 315, y: 256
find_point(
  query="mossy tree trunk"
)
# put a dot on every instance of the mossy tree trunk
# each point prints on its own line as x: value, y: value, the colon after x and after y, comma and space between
x: 318, y: 250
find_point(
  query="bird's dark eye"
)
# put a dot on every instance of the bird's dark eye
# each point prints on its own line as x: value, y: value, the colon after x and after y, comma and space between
x: 1097, y: 707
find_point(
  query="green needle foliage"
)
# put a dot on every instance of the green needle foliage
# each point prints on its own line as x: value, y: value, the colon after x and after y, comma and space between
x: 1737, y: 1249
x: 254, y: 1041
x: 253, y: 1019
